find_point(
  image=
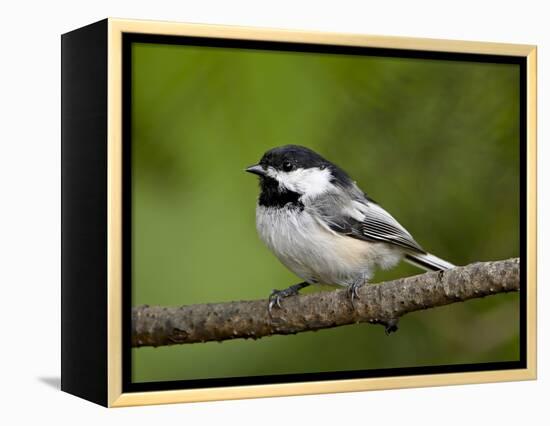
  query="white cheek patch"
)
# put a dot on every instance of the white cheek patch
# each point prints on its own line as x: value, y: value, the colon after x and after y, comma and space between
x: 308, y: 182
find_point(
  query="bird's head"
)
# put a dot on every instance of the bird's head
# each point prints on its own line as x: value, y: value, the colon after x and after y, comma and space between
x: 298, y: 170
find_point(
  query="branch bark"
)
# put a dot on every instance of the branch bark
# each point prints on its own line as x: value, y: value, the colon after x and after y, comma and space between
x: 382, y: 303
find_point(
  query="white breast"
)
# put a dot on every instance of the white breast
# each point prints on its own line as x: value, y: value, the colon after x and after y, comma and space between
x: 316, y: 253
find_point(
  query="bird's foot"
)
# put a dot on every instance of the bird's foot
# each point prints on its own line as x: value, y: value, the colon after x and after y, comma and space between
x: 353, y: 291
x: 277, y: 295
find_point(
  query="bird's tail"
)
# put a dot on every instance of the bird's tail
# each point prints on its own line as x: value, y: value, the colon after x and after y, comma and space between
x: 428, y: 261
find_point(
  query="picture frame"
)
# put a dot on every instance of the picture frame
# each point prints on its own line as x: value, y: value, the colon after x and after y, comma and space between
x: 98, y: 330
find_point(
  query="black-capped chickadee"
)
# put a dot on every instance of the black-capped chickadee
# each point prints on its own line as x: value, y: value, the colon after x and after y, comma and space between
x: 322, y: 227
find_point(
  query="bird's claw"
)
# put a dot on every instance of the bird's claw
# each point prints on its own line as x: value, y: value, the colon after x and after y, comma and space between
x: 274, y: 300
x: 277, y: 295
x: 353, y: 291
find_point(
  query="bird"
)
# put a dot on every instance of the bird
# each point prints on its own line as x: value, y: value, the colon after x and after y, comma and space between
x: 323, y: 227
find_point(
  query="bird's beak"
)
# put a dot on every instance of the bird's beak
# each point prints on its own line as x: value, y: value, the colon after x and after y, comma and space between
x: 256, y: 169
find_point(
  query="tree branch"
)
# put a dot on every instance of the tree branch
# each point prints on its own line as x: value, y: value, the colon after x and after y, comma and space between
x: 382, y: 303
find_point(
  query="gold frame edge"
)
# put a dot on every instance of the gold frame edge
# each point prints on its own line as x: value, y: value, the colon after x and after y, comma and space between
x: 532, y: 211
x: 116, y: 27
x: 114, y: 213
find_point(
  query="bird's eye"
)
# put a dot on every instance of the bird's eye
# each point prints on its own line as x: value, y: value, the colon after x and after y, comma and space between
x: 287, y: 166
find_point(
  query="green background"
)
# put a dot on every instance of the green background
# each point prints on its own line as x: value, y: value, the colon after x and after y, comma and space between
x: 435, y: 142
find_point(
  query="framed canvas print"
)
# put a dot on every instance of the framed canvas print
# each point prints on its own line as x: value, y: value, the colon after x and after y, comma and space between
x: 384, y: 187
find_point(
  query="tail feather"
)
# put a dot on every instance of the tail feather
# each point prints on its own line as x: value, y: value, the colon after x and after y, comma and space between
x: 428, y: 261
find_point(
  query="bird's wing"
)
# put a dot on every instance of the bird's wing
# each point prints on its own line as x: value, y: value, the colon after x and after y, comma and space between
x: 366, y: 220
x: 379, y: 225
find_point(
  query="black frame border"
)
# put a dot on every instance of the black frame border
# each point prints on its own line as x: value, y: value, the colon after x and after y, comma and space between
x: 129, y: 38
x: 84, y: 276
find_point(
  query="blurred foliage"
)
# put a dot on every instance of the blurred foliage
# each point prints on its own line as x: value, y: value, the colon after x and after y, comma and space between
x: 435, y: 142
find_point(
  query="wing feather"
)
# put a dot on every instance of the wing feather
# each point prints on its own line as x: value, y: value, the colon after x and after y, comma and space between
x: 368, y: 221
x: 379, y: 225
